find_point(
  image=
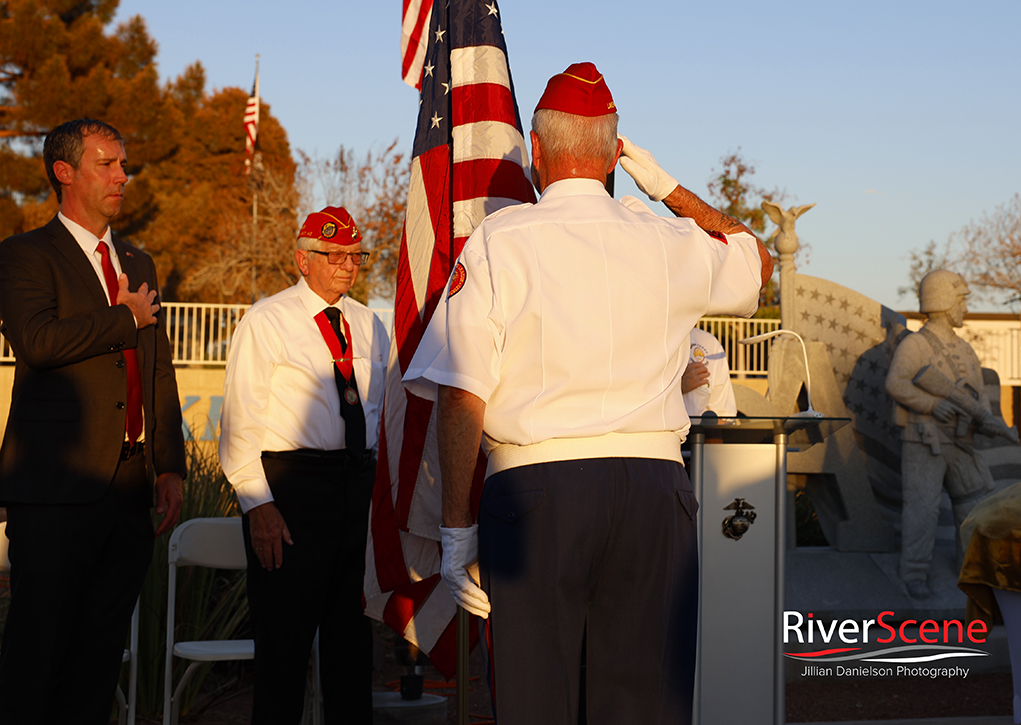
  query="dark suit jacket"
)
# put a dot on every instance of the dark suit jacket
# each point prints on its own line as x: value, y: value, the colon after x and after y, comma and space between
x: 66, y: 425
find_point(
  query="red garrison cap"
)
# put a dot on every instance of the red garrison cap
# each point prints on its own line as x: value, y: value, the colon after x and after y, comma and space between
x: 580, y: 90
x: 332, y: 224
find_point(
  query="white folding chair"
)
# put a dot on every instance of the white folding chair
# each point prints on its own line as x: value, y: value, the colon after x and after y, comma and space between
x: 217, y: 543
x: 211, y: 542
x: 125, y: 706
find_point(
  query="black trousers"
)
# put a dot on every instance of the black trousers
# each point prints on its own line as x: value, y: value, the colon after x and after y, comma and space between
x: 325, y: 504
x: 599, y: 557
x: 76, y: 571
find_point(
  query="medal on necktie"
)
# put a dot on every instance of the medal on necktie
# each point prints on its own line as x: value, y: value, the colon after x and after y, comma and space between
x: 342, y: 349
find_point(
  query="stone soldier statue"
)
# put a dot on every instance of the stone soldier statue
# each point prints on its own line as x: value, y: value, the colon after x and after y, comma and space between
x: 936, y: 379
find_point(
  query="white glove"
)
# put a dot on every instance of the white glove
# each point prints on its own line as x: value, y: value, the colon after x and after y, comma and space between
x: 643, y: 168
x: 460, y: 568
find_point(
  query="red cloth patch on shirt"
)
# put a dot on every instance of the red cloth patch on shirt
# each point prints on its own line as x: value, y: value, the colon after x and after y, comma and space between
x: 718, y: 235
x: 457, y: 280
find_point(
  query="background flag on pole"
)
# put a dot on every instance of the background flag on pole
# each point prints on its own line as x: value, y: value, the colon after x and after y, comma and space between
x: 469, y: 160
x: 414, y: 40
x: 252, y: 121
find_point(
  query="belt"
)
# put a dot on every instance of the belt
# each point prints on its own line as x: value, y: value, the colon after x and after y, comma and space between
x: 342, y: 456
x: 132, y: 449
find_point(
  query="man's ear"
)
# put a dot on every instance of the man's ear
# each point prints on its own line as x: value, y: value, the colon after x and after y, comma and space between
x: 536, y: 161
x: 616, y: 158
x: 64, y: 172
x: 301, y: 259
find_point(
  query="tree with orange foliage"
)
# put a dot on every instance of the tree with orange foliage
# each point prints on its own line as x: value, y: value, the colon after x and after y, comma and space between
x: 185, y: 146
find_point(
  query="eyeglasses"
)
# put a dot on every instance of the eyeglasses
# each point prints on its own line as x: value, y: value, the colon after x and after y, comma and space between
x: 359, y: 258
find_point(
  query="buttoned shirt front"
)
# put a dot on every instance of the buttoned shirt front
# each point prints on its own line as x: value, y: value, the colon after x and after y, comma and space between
x: 569, y: 317
x: 89, y: 242
x: 280, y: 392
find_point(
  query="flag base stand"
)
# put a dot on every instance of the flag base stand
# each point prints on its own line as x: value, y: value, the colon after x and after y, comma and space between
x: 390, y: 707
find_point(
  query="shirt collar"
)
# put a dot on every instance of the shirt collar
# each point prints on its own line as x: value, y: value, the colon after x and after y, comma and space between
x: 313, y: 303
x: 574, y: 187
x: 88, y: 241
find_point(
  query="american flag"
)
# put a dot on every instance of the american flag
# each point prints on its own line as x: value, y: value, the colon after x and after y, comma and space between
x: 469, y: 160
x: 252, y: 121
x: 414, y: 39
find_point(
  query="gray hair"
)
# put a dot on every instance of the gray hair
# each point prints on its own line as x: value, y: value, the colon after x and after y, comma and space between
x: 585, y: 138
x: 67, y: 143
x: 309, y: 243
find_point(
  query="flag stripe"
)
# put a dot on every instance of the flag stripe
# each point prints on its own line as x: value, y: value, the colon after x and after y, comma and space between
x: 477, y: 64
x: 498, y: 179
x: 482, y: 102
x: 489, y: 140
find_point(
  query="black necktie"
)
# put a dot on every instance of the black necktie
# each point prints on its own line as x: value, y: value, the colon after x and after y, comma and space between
x: 352, y: 413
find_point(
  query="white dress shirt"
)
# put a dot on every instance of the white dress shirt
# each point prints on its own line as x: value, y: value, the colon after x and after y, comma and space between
x: 89, y: 243
x: 573, y: 317
x: 717, y: 396
x: 280, y: 393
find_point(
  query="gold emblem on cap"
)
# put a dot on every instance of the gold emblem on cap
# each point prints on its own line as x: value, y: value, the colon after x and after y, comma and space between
x: 328, y: 231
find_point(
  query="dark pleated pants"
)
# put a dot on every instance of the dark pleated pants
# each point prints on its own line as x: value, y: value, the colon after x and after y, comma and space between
x: 596, y: 556
x: 76, y: 572
x: 325, y: 503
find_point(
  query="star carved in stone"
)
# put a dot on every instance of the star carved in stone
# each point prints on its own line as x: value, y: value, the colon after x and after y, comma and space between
x: 439, y: 35
x: 436, y: 120
x: 492, y: 8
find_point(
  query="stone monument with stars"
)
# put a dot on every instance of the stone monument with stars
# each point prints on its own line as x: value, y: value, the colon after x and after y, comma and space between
x: 853, y: 477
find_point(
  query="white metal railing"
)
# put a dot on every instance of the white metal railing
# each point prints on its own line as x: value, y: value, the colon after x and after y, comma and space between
x: 200, y: 334
x: 745, y: 361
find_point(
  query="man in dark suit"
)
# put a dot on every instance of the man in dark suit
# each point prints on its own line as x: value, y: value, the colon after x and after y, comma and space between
x: 95, y: 419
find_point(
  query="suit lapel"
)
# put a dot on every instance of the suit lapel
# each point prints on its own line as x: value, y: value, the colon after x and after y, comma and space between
x: 69, y: 248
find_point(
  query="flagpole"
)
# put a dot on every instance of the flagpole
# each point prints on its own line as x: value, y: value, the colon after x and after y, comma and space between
x: 255, y: 195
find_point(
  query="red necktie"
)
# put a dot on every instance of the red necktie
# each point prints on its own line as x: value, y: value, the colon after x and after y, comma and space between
x: 133, y: 423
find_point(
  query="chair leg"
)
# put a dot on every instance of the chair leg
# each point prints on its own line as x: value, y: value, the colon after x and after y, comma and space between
x: 175, y: 701
x: 313, y: 691
x: 122, y: 707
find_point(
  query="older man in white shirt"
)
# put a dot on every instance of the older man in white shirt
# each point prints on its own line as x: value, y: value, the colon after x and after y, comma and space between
x: 302, y: 403
x: 560, y: 343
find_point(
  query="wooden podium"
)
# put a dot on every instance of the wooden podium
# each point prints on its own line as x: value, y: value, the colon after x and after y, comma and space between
x: 739, y: 475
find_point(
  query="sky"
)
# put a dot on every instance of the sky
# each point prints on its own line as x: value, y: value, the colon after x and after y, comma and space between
x: 899, y: 120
